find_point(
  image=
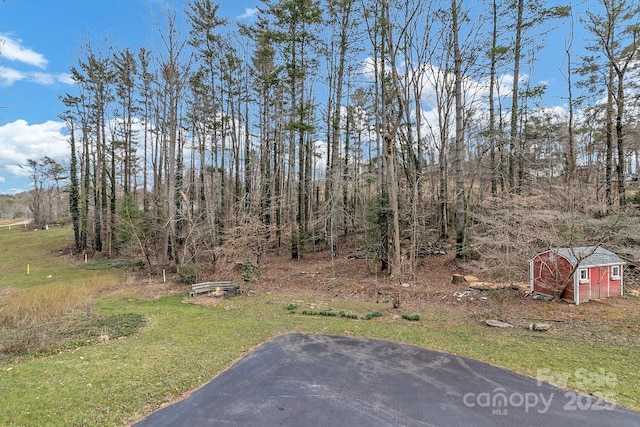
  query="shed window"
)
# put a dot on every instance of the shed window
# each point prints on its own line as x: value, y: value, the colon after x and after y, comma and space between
x: 615, y: 272
x: 583, y: 274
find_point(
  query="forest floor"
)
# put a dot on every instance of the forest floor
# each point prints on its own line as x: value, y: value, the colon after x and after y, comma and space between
x: 431, y: 291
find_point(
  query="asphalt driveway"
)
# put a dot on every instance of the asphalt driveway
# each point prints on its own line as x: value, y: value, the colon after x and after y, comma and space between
x: 304, y: 380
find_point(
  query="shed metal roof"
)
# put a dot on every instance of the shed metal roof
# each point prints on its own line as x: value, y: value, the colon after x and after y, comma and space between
x: 589, y: 256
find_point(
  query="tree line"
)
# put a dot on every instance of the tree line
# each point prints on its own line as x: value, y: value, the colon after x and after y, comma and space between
x: 325, y: 119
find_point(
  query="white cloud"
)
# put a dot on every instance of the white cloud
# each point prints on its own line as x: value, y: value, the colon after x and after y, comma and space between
x: 13, y: 50
x: 18, y: 170
x: 65, y: 78
x: 43, y: 78
x: 248, y: 13
x: 9, y: 76
x: 2, y: 179
x: 20, y: 141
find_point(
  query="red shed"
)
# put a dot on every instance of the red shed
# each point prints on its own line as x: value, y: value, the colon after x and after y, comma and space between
x: 577, y: 274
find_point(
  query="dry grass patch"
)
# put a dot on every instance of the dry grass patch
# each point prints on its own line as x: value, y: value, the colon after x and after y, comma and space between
x: 43, y: 303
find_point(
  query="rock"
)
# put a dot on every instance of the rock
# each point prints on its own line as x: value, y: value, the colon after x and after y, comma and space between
x: 497, y: 323
x: 458, y: 278
x: 543, y: 297
x: 633, y: 292
x: 462, y: 294
x: 542, y: 327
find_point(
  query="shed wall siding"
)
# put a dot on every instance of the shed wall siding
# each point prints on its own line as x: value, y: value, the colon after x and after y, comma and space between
x: 615, y: 285
x: 550, y: 273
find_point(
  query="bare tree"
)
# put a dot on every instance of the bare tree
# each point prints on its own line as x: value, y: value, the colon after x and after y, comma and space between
x: 617, y: 39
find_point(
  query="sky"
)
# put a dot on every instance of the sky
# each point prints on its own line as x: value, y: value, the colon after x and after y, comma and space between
x: 39, y: 44
x: 40, y: 40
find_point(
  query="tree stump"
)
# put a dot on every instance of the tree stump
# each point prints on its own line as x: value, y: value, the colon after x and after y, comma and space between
x: 458, y: 278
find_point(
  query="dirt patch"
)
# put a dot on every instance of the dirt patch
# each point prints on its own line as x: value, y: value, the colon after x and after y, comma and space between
x: 428, y: 288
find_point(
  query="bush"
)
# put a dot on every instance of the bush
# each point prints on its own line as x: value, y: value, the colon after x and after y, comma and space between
x: 189, y: 273
x: 341, y: 313
x: 327, y: 313
x: 250, y: 270
x: 376, y: 219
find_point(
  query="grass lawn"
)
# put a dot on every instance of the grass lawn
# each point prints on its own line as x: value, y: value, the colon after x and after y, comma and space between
x: 39, y: 280
x: 184, y: 345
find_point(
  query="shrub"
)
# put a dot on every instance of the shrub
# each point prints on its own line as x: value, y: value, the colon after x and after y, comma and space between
x: 377, y: 223
x: 189, y: 273
x: 341, y: 313
x: 327, y: 313
x: 250, y: 270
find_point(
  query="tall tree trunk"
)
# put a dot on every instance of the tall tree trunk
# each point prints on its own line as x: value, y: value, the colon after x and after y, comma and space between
x: 620, y: 166
x: 461, y: 212
x: 492, y: 114
x: 74, y: 195
x: 608, y: 167
x: 389, y: 141
x: 513, y: 137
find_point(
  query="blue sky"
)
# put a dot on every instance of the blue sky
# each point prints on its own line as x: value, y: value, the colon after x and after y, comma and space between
x: 41, y: 38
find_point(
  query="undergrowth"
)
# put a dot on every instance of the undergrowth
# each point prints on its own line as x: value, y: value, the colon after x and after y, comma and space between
x: 70, y: 331
x: 292, y: 308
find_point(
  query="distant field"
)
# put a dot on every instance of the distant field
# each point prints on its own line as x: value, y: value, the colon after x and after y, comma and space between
x: 6, y: 222
x: 40, y: 280
x: 34, y: 258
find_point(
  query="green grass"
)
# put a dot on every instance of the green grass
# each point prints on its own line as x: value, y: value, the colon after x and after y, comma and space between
x: 39, y: 280
x: 42, y: 251
x: 182, y: 346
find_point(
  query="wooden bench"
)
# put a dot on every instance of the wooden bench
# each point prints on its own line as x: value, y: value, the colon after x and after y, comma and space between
x: 215, y: 288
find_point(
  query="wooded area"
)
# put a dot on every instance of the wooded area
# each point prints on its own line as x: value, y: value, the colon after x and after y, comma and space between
x: 392, y: 120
